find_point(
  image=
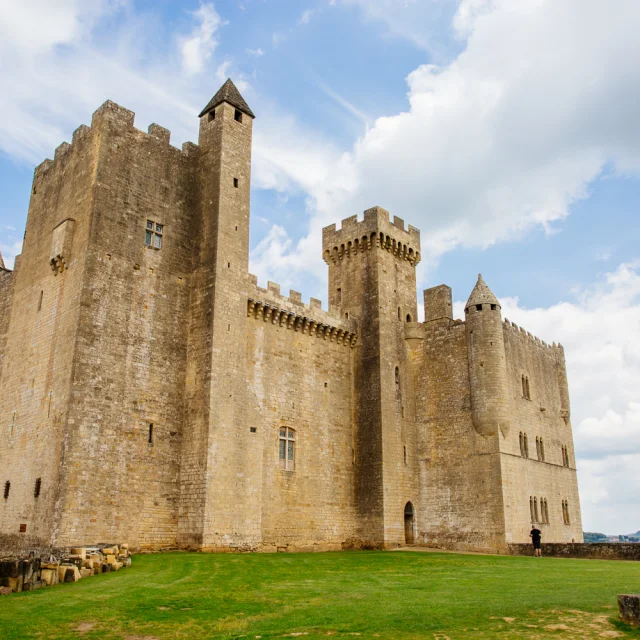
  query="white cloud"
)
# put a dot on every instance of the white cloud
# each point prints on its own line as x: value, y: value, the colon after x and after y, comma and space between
x: 198, y: 48
x: 10, y: 248
x: 306, y: 16
x: 507, y: 136
x: 255, y: 52
x: 599, y: 332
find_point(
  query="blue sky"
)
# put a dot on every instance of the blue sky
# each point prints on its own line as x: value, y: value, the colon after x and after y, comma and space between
x: 507, y: 132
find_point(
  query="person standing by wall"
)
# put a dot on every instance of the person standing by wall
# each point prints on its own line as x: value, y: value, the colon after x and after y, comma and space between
x: 536, y: 538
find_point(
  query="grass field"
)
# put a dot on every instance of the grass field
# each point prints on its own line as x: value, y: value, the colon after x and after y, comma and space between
x: 350, y: 594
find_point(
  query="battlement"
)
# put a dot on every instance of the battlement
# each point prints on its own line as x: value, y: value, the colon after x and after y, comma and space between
x: 270, y: 306
x: 116, y: 117
x: 526, y: 335
x: 374, y: 231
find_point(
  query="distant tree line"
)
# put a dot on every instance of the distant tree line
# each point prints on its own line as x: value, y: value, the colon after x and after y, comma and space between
x: 590, y: 536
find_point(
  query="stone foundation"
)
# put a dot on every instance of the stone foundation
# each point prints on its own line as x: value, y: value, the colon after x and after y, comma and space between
x: 595, y: 551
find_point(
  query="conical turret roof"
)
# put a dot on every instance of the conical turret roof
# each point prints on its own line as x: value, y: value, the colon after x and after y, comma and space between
x: 481, y: 294
x: 1, y: 262
x: 228, y: 92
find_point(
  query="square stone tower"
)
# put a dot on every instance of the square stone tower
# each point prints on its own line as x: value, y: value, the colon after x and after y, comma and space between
x: 372, y: 278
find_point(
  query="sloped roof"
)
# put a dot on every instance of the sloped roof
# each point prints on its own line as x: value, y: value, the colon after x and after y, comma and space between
x: 481, y: 294
x: 228, y: 92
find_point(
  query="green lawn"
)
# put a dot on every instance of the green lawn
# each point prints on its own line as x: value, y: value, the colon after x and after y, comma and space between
x: 368, y: 594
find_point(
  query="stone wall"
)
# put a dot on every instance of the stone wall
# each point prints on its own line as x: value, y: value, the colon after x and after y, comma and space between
x: 41, y: 337
x: 545, y: 415
x: 460, y: 477
x: 300, y: 377
x: 595, y: 551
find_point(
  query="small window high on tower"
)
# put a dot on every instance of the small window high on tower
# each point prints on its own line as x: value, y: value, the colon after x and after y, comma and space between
x: 153, y: 235
x: 238, y: 115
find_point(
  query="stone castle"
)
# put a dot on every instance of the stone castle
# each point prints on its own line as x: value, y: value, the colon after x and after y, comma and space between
x: 151, y: 391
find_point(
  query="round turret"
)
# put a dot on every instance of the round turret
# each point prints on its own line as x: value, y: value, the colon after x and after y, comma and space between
x: 487, y: 362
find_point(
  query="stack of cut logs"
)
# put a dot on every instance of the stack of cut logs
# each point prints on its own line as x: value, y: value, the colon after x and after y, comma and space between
x: 29, y: 573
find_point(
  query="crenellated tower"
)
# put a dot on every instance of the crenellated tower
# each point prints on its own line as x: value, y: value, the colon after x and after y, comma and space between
x: 372, y: 278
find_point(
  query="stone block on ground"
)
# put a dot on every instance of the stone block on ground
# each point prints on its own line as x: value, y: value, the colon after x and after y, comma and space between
x: 5, y: 591
x: 50, y: 575
x: 79, y: 551
x: 629, y: 606
x: 85, y: 573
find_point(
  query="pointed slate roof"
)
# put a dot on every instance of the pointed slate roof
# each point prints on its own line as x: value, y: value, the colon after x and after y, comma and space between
x: 228, y: 92
x: 481, y: 294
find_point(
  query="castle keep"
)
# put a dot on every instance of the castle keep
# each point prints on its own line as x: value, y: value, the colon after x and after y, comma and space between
x: 151, y: 390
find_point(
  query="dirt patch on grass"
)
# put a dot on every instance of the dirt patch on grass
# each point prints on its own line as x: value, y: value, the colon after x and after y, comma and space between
x: 85, y: 627
x: 559, y: 624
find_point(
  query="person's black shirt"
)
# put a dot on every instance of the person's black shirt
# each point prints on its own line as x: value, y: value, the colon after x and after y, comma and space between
x: 536, y: 534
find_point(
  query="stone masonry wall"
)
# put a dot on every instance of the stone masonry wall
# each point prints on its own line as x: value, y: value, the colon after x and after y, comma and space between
x: 35, y: 384
x: 594, y: 551
x: 7, y: 280
x: 542, y: 416
x: 460, y: 476
x: 300, y: 377
x: 122, y: 445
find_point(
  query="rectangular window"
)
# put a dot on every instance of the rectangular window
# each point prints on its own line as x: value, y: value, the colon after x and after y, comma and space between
x: 287, y: 449
x: 238, y: 115
x: 153, y: 235
x: 235, y: 182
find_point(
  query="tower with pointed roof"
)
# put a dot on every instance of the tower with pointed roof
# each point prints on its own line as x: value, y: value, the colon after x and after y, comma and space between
x: 487, y: 362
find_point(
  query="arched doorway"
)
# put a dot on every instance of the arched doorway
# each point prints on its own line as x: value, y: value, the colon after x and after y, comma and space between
x: 409, y: 523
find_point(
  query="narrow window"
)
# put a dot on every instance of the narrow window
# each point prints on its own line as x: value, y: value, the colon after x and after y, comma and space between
x: 546, y: 511
x: 531, y: 509
x: 40, y: 300
x: 212, y: 115
x: 287, y: 449
x: 238, y: 115
x: 521, y: 444
x: 528, y: 393
x: 235, y: 182
x: 478, y: 307
x: 7, y: 488
x: 526, y: 446
x: 494, y: 307
x: 535, y: 509
x: 153, y: 235
x: 36, y: 489
x: 339, y: 295
x: 566, y: 508
x: 538, y: 447
x: 397, y: 380
x: 405, y: 456
x: 524, y: 388
x: 542, y: 449
x: 150, y: 440
x: 399, y: 314
x: 408, y: 317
